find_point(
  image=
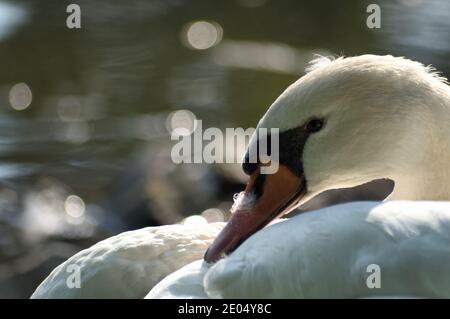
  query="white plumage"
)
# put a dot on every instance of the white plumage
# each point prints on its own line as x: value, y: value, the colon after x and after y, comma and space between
x: 130, y: 264
x: 328, y: 254
x: 186, y: 283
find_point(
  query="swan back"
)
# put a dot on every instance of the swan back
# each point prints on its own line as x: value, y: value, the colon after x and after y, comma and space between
x: 326, y: 254
x: 186, y: 283
x: 130, y: 264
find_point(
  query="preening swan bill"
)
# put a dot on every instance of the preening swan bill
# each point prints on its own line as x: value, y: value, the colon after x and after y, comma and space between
x: 348, y: 121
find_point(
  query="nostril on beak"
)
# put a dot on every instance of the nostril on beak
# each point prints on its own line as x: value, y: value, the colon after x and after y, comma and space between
x: 247, y: 167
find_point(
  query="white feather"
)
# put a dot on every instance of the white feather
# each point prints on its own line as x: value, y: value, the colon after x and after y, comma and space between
x: 326, y: 254
x: 130, y: 264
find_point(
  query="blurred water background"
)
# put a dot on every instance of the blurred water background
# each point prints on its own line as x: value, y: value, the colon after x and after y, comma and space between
x: 86, y: 115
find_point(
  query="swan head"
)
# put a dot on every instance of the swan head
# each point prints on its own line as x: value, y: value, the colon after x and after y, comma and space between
x: 345, y: 123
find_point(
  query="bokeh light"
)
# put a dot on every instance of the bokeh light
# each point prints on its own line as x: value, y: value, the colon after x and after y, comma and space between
x: 194, y: 220
x: 202, y: 35
x: 181, y: 122
x: 20, y: 96
x: 78, y: 132
x: 213, y: 215
x: 74, y: 206
x: 268, y: 56
x: 69, y: 108
x: 11, y: 17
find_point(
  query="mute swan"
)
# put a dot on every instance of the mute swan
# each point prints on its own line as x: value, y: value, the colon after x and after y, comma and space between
x: 347, y: 122
x: 344, y: 123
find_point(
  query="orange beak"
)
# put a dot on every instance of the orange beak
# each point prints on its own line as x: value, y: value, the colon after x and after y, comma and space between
x: 265, y: 198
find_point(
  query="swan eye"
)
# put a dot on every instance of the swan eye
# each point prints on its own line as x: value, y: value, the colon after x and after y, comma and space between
x: 314, y: 125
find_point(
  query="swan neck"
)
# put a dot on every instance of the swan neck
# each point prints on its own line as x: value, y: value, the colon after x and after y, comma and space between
x: 428, y: 178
